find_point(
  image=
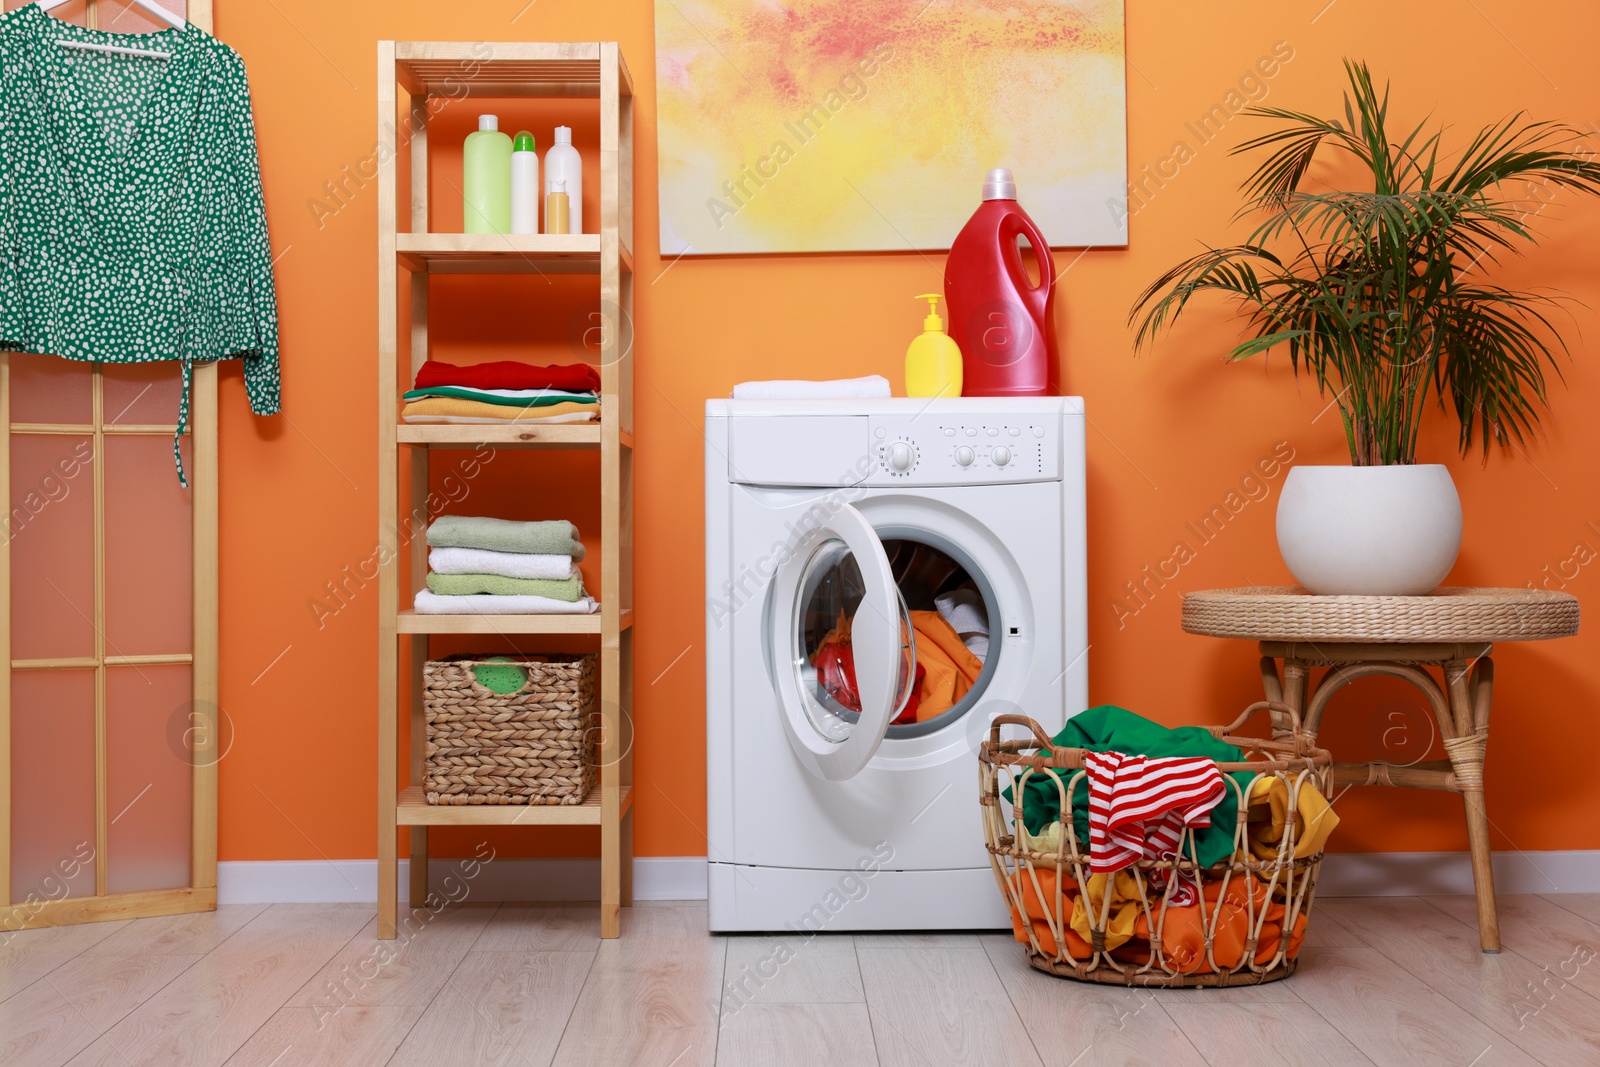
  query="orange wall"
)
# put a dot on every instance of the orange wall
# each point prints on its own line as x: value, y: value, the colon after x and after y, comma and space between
x: 1172, y: 432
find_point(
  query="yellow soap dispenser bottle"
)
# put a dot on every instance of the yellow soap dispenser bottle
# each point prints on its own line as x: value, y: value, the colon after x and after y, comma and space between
x: 933, y: 362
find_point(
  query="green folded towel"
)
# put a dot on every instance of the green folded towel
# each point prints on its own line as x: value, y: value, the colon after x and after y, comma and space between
x: 545, y: 399
x: 555, y: 537
x: 568, y: 589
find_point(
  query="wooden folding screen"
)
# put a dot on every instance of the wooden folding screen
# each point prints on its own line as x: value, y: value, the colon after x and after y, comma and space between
x: 110, y: 732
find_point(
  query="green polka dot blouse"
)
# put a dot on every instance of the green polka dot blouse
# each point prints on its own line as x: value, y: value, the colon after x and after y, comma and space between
x: 132, y: 226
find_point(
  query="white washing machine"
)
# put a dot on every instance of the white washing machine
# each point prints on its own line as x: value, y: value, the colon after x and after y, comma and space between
x: 825, y: 515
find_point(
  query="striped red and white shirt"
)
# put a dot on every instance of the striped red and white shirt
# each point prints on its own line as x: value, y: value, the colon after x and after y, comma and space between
x: 1139, y: 807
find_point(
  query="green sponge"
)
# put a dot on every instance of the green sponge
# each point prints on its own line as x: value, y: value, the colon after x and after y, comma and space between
x: 500, y: 675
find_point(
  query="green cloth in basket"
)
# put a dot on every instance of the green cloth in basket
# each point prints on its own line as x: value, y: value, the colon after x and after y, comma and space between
x: 1108, y: 728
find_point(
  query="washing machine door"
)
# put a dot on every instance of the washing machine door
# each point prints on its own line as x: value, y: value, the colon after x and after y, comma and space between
x: 841, y: 644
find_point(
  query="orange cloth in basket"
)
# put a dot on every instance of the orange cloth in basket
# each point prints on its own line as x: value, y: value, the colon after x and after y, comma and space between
x: 1037, y: 910
x: 1183, y: 929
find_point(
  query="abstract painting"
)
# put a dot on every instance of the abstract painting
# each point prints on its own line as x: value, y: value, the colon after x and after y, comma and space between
x: 868, y: 125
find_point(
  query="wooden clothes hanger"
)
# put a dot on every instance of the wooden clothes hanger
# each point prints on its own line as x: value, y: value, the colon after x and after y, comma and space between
x: 154, y: 9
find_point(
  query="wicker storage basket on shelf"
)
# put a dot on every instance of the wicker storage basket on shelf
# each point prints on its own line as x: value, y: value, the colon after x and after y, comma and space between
x: 1267, y: 900
x: 533, y: 746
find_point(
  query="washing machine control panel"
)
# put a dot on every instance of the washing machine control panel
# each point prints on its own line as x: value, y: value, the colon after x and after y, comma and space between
x: 940, y: 450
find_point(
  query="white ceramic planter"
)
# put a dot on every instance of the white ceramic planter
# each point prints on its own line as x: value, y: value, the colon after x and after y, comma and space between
x: 1369, y: 530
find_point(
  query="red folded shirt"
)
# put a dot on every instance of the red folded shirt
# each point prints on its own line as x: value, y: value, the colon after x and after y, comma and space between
x: 509, y: 374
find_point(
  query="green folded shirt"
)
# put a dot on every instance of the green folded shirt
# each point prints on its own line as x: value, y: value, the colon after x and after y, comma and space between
x: 568, y: 589
x: 544, y: 399
x: 554, y: 536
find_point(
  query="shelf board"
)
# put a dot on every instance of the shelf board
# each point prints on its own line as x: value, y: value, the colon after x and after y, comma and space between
x: 512, y: 435
x: 501, y: 69
x: 410, y: 622
x: 413, y: 809
x: 504, y: 253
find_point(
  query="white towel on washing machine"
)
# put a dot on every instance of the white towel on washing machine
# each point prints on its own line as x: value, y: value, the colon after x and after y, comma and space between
x: 871, y: 387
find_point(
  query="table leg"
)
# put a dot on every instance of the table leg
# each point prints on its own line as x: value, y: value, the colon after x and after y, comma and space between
x: 1466, y: 743
x: 1273, y: 688
x: 1295, y: 676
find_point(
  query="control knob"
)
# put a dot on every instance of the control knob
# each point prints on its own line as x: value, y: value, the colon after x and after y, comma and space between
x: 965, y: 456
x: 1000, y: 455
x: 901, y: 457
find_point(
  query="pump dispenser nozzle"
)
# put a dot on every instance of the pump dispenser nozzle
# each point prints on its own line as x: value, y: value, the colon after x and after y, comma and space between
x: 933, y: 321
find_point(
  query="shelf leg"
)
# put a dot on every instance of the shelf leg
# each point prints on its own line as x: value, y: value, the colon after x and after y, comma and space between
x: 610, y: 879
x: 626, y: 893
x: 419, y: 866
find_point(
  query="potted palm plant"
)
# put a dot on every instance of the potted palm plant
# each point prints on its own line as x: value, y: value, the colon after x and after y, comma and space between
x: 1379, y: 295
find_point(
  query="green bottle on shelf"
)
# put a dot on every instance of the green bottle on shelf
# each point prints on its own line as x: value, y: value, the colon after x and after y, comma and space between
x: 486, y: 178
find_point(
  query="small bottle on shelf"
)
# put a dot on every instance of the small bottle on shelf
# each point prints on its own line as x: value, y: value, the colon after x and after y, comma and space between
x: 563, y: 164
x: 524, y: 184
x: 486, y: 179
x: 557, y: 210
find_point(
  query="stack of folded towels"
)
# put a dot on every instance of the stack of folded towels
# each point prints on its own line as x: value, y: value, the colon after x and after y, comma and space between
x: 483, y: 566
x: 503, y: 392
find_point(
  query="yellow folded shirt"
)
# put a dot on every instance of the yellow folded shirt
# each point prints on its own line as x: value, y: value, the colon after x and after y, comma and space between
x: 1314, y: 818
x: 456, y: 408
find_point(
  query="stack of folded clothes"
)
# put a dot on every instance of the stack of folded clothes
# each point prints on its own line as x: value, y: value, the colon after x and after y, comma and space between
x: 483, y: 566
x: 503, y: 392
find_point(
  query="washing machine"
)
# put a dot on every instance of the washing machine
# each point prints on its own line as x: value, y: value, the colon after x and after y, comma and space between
x: 847, y: 517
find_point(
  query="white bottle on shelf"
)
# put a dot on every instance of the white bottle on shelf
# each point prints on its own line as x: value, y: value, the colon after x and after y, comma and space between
x: 524, y: 184
x: 563, y: 164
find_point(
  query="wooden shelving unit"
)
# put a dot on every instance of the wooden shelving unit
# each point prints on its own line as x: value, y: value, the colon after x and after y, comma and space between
x: 409, y: 72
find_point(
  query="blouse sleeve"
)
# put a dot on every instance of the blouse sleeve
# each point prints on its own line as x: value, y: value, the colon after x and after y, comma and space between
x: 251, y: 247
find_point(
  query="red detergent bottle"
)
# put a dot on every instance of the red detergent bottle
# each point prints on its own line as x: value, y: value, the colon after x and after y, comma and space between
x: 1002, y: 321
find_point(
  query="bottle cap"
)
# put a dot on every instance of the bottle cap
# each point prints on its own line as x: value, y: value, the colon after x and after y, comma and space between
x: 488, y: 122
x: 563, y: 135
x: 998, y: 185
x: 933, y: 321
x: 524, y: 142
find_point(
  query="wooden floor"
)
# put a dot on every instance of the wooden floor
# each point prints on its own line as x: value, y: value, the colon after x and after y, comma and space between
x: 1382, y: 981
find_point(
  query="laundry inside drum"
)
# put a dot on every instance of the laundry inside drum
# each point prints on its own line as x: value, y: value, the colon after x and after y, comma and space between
x: 945, y: 620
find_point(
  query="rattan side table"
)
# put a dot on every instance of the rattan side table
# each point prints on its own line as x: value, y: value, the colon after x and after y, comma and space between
x: 1401, y: 636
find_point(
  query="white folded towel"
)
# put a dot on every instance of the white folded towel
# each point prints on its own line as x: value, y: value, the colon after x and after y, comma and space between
x: 430, y: 603
x: 964, y: 610
x: 870, y: 387
x: 506, y: 564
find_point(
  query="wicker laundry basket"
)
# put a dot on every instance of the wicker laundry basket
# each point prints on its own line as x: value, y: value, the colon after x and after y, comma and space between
x: 1244, y: 928
x: 533, y: 746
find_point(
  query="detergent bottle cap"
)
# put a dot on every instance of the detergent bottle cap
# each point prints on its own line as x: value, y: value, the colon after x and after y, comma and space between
x: 933, y: 322
x: 998, y: 185
x: 563, y: 135
x: 524, y: 142
x: 488, y: 122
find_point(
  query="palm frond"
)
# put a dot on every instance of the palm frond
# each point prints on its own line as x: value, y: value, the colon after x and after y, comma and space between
x: 1375, y: 293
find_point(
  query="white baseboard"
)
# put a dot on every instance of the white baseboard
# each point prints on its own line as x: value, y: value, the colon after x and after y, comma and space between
x: 1344, y: 874
x: 356, y: 881
x: 1406, y: 874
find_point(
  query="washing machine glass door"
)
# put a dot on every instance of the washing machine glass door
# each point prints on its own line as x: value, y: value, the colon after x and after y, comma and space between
x: 841, y: 644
